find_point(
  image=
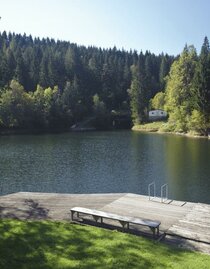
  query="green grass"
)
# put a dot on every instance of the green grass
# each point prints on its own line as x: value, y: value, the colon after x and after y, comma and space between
x: 45, y: 244
x: 149, y: 127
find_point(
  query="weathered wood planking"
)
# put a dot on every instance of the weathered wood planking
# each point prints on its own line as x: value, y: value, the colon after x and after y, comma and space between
x: 137, y: 205
x: 187, y: 220
x: 27, y: 205
x: 194, y: 225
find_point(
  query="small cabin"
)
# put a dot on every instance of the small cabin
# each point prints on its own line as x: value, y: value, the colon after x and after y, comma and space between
x: 158, y: 114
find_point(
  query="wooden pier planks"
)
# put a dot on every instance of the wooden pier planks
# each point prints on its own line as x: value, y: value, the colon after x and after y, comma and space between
x: 195, y: 225
x: 140, y: 206
x: 187, y: 220
x: 28, y: 205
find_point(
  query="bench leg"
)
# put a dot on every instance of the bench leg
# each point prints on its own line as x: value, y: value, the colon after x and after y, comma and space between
x: 72, y: 215
x: 96, y: 218
x: 158, y: 231
x: 123, y: 223
x: 153, y: 231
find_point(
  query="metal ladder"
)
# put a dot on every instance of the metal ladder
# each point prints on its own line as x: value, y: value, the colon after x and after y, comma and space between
x: 149, y: 190
x: 163, y: 189
x: 164, y: 198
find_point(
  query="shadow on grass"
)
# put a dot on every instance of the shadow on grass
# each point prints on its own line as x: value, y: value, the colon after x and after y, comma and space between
x: 58, y: 245
x: 47, y: 244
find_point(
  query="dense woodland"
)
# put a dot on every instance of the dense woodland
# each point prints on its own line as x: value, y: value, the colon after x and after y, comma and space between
x: 50, y: 85
x: 187, y: 93
x: 47, y: 84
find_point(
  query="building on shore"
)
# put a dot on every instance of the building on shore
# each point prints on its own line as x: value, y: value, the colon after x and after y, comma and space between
x: 156, y: 115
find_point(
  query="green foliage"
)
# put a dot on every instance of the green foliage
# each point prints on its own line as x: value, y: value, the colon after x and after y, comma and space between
x: 49, y: 244
x: 47, y: 84
x: 202, y: 79
x: 164, y: 70
x: 98, y: 106
x: 102, y: 119
x: 158, y: 101
x: 15, y: 106
x: 78, y: 72
x: 167, y: 127
x: 179, y: 119
x: 149, y: 127
x: 197, y: 122
x: 42, y: 109
x: 188, y: 91
x: 179, y: 90
x: 181, y: 96
x: 138, y: 99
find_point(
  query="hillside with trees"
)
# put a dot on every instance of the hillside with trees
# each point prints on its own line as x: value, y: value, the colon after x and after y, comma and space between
x: 50, y: 85
x: 186, y: 97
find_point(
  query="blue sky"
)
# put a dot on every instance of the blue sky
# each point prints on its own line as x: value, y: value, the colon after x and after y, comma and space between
x: 155, y: 25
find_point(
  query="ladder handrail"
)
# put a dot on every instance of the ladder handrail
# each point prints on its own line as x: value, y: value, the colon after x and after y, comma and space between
x: 149, y: 190
x: 166, y: 192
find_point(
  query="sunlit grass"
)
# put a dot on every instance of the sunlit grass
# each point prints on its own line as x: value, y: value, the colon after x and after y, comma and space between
x: 150, y: 127
x: 46, y: 244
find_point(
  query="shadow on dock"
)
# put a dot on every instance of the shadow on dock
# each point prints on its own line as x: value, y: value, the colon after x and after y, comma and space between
x: 185, y: 224
x: 28, y: 210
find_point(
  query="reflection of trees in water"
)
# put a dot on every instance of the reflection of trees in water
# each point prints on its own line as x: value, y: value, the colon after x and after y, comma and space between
x: 148, y: 159
x: 187, y: 168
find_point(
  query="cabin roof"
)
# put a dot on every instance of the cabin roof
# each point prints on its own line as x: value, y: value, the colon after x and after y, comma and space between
x: 157, y: 110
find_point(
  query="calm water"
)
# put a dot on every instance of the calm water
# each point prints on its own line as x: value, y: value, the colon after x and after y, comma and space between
x: 103, y: 162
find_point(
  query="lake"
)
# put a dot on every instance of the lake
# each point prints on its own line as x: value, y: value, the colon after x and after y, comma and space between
x: 106, y: 162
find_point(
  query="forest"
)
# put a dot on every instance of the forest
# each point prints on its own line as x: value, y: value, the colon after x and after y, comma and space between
x: 186, y: 97
x: 48, y: 85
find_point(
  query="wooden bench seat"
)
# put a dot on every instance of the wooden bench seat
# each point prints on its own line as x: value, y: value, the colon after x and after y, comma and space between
x: 124, y: 220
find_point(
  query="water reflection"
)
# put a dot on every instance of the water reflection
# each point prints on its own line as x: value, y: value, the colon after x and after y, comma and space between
x: 188, y: 168
x: 102, y: 162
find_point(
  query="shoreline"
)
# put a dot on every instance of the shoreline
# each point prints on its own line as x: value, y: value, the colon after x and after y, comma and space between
x: 134, y: 128
x: 56, y: 131
x: 189, y: 135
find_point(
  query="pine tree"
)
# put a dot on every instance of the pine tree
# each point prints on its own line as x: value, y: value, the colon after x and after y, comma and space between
x: 70, y: 63
x: 138, y: 95
x: 20, y: 71
x: 202, y: 79
x: 90, y: 71
x: 164, y: 69
x: 43, y: 73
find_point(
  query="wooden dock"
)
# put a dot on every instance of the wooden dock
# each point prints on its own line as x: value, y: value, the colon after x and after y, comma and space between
x: 184, y: 223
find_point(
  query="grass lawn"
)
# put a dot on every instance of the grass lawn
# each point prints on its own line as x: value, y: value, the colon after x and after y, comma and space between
x: 149, y: 127
x: 46, y: 244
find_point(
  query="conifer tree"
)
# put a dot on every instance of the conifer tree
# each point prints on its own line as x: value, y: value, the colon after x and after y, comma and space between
x: 202, y: 79
x: 138, y: 95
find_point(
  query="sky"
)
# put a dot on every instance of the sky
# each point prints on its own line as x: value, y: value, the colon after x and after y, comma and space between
x: 154, y: 25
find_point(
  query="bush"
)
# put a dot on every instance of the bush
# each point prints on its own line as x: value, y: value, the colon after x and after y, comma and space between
x: 167, y: 127
x: 197, y: 122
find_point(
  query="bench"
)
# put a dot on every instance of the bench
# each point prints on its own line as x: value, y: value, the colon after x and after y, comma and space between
x: 124, y: 220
